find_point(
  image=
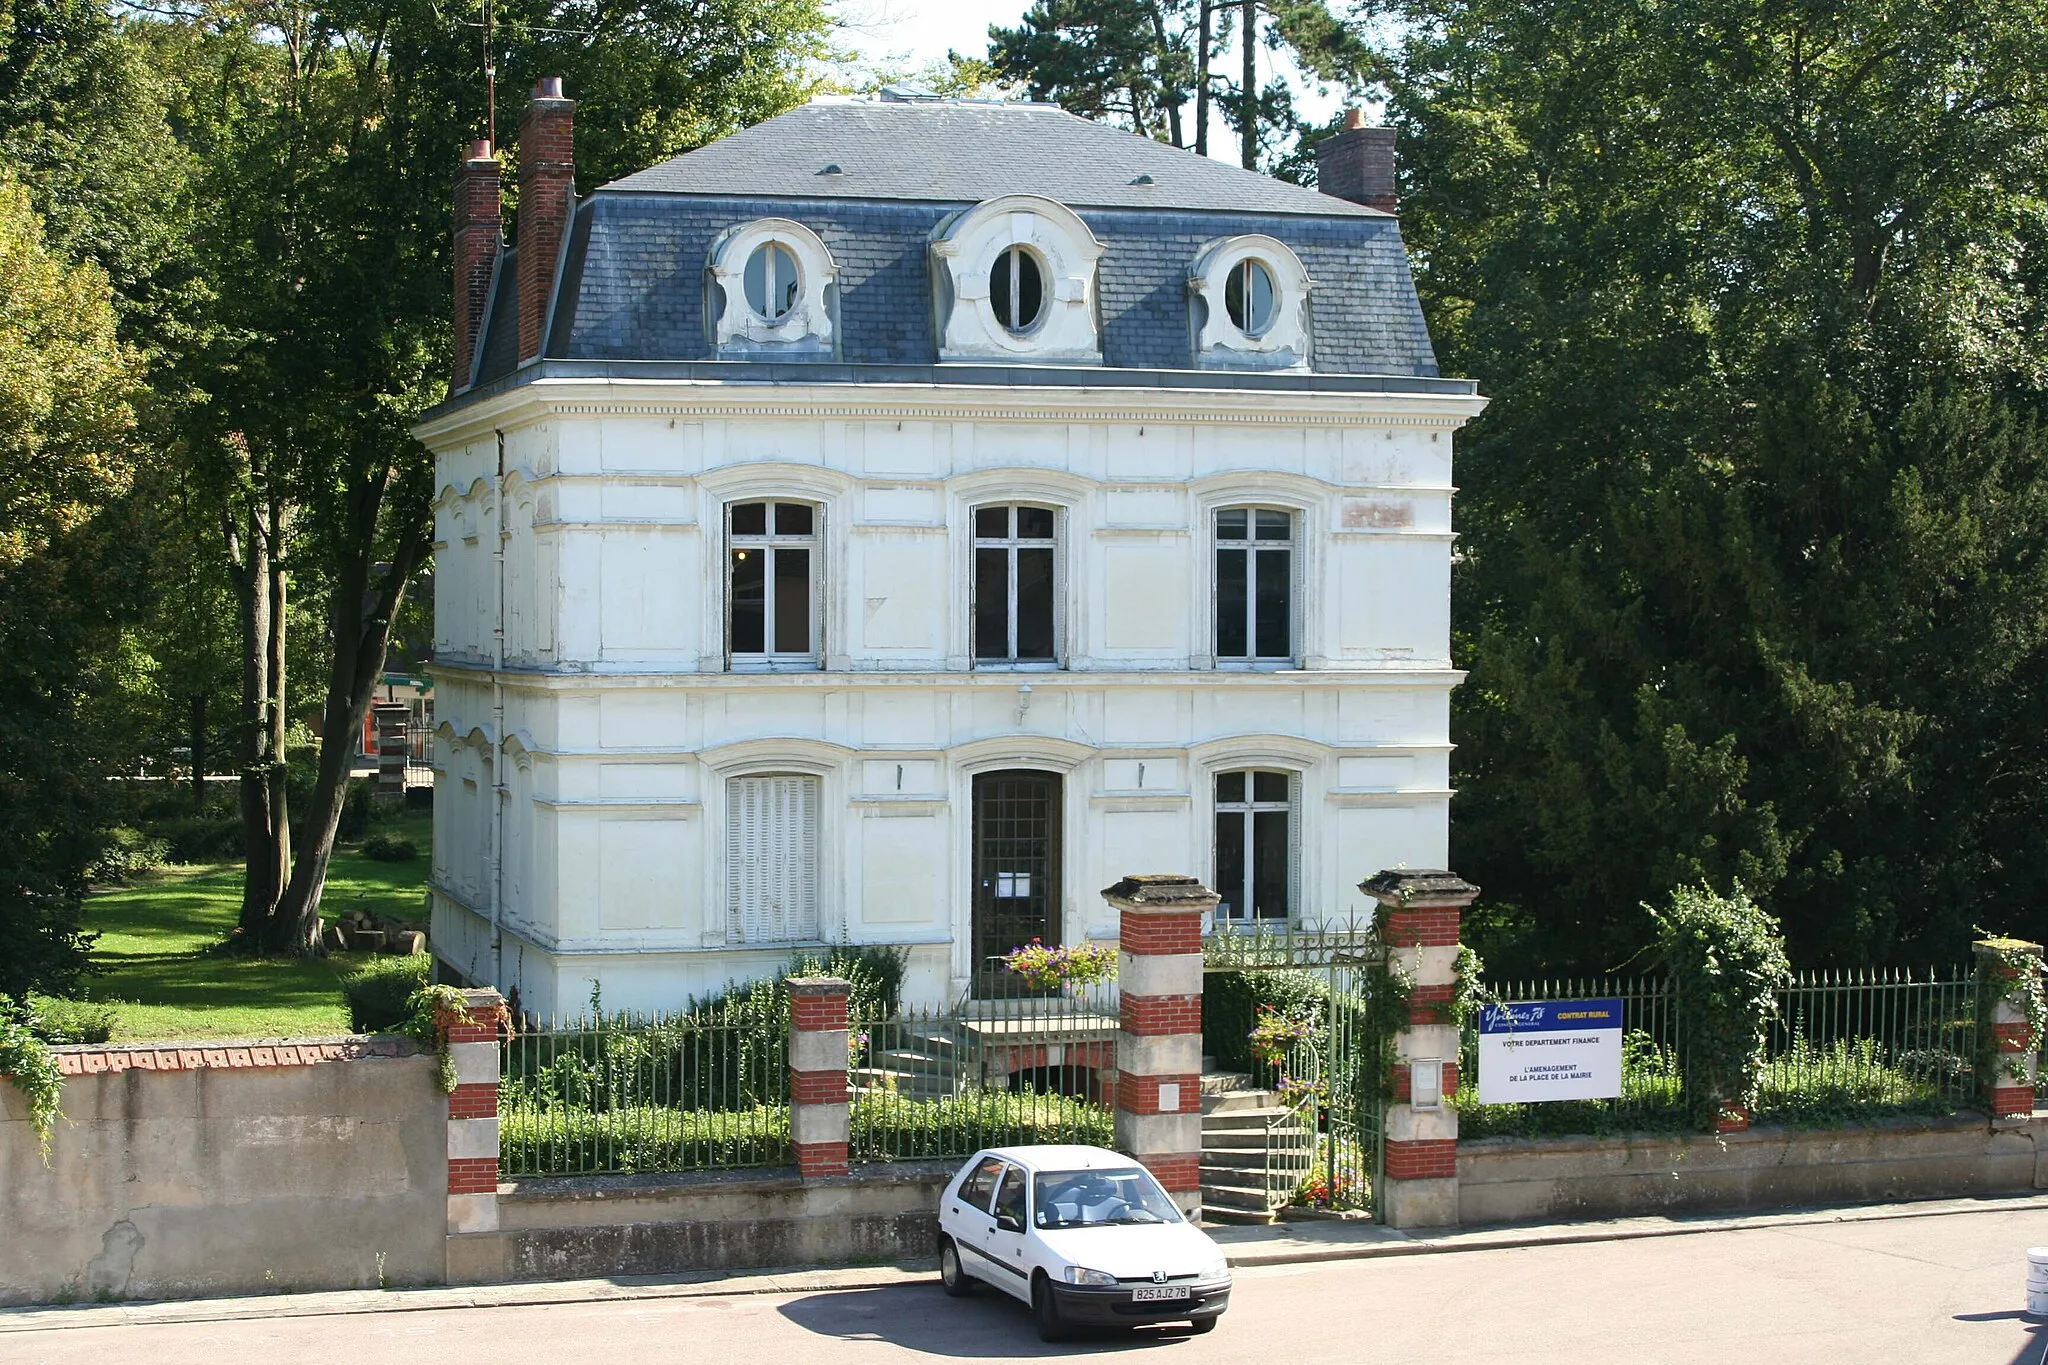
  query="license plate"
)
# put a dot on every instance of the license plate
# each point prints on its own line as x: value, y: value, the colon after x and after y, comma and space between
x: 1159, y: 1293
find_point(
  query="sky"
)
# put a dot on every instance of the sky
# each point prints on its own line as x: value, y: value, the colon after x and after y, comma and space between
x: 913, y: 32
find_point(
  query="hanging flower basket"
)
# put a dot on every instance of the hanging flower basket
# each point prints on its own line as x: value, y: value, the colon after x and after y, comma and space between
x: 1045, y: 969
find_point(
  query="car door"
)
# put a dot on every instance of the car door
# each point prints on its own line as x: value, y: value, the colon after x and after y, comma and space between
x: 1008, y: 1230
x: 968, y: 1222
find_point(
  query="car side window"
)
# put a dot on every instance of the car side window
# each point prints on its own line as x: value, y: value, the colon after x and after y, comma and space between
x: 1010, y: 1198
x: 980, y: 1186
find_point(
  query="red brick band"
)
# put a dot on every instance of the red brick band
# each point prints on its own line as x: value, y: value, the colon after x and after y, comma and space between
x: 1177, y: 1171
x: 1140, y: 1094
x: 1160, y: 935
x: 1423, y: 927
x: 817, y: 1087
x: 2014, y: 1037
x: 817, y: 1013
x: 1404, y: 1082
x: 473, y: 1175
x: 820, y: 1158
x: 477, y: 1101
x: 1153, y: 1016
x: 2012, y: 1101
x: 1422, y: 1159
x: 1732, y: 1118
x: 1431, y: 1004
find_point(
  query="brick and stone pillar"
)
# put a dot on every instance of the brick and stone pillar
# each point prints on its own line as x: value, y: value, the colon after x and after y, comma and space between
x: 1159, y: 1048
x: 2014, y: 1051
x: 1419, y: 921
x: 547, y: 192
x: 472, y: 1038
x: 819, y: 1115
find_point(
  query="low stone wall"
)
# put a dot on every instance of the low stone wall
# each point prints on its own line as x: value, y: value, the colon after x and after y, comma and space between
x: 1508, y: 1180
x: 577, y: 1227
x: 196, y: 1169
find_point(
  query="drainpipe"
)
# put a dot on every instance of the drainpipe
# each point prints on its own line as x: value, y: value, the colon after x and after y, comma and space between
x: 498, y: 786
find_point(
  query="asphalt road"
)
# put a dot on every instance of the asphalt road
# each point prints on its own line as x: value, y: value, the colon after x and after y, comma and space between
x: 1938, y: 1289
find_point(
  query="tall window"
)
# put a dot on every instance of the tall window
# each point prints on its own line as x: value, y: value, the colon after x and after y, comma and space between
x: 1254, y: 585
x: 771, y: 859
x: 1015, y: 592
x: 1254, y: 844
x: 772, y: 611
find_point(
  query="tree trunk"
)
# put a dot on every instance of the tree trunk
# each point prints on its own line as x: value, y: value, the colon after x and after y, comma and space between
x: 362, y: 622
x: 1169, y: 96
x: 249, y: 567
x: 280, y: 833
x: 198, y: 746
x: 1249, y: 134
x: 1202, y: 84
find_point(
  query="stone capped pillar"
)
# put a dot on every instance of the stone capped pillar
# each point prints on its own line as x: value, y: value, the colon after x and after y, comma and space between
x: 2012, y: 1048
x: 1419, y: 922
x: 820, y: 1119
x: 472, y: 1039
x: 1159, y: 1048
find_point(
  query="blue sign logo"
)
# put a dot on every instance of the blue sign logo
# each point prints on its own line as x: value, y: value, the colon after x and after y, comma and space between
x: 1550, y: 1016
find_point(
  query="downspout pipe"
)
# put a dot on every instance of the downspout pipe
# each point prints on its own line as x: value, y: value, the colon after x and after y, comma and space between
x: 499, y: 788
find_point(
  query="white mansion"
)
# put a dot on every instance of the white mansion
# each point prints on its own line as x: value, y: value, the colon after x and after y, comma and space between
x: 898, y: 521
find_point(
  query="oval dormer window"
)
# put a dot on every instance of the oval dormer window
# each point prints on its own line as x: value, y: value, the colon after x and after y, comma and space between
x: 773, y: 283
x: 1248, y: 297
x: 1016, y: 290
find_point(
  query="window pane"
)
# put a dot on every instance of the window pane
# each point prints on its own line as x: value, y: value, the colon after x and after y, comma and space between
x: 750, y: 518
x: 749, y: 601
x: 1269, y: 864
x: 999, y: 288
x: 1275, y: 587
x: 757, y: 281
x: 1034, y: 523
x: 1230, y: 524
x: 792, y: 601
x: 1229, y: 787
x: 1231, y: 642
x: 1230, y: 862
x: 793, y: 518
x: 1034, y: 604
x: 992, y: 523
x: 991, y: 604
x: 1262, y: 296
x: 1031, y: 291
x: 1273, y: 525
x: 1269, y: 786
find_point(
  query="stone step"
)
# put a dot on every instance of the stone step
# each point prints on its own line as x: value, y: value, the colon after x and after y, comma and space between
x: 1253, y: 1158
x: 1216, y: 1082
x: 1252, y: 1197
x: 1222, y: 1120
x: 1235, y: 1101
x: 916, y: 1085
x: 1219, y: 1213
x: 903, y: 1059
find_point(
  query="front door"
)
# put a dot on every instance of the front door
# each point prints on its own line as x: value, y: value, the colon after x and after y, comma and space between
x: 1016, y: 871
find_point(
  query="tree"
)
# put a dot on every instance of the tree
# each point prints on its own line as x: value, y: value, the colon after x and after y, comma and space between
x: 1753, y: 528
x: 69, y: 573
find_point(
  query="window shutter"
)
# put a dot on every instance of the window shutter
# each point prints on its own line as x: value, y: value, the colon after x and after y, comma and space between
x: 771, y: 859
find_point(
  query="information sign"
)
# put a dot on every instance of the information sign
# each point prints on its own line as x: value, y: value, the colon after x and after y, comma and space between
x: 1541, y: 1050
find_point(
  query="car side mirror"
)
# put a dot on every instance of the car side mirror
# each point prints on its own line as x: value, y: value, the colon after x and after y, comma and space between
x: 1009, y: 1222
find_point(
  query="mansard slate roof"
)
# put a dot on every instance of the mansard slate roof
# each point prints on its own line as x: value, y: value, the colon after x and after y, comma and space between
x: 632, y: 287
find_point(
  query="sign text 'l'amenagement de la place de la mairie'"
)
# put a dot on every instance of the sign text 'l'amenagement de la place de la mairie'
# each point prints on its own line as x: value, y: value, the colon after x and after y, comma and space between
x: 1549, y: 1050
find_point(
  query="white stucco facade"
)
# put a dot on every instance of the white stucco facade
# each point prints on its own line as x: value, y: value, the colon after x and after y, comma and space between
x: 592, y: 722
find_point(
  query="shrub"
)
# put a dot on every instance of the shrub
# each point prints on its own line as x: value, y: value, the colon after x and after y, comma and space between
x: 126, y: 852
x: 65, y: 1022
x: 1727, y: 960
x: 563, y: 1142
x: 384, y: 849
x: 874, y: 971
x: 378, y: 991
x: 888, y: 1127
x: 200, y: 838
x: 355, y: 813
x: 1233, y: 1001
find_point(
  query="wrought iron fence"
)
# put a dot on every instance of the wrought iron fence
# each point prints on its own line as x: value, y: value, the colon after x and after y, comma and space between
x: 1008, y: 1064
x: 1845, y: 1043
x: 696, y: 1090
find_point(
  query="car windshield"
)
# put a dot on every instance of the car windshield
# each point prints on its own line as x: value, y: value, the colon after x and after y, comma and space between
x: 1086, y: 1199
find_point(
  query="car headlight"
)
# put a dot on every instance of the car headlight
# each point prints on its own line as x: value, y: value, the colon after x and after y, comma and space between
x: 1218, y: 1269
x: 1077, y: 1274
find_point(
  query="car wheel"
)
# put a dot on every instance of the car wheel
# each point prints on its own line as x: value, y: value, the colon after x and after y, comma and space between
x: 1046, y: 1308
x: 1201, y: 1325
x: 956, y: 1281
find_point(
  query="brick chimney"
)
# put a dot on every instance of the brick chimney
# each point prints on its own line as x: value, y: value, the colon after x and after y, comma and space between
x: 478, y: 225
x: 547, y: 186
x: 1357, y: 163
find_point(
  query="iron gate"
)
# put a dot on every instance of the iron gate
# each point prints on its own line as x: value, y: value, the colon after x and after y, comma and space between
x: 1325, y: 1140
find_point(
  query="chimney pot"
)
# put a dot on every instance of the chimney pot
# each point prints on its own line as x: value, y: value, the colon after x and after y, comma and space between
x: 549, y: 88
x: 1357, y: 163
x: 480, y: 150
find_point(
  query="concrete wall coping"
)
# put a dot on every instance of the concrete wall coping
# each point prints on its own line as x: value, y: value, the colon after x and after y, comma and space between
x: 1968, y: 1122
x: 577, y: 1188
x: 90, y: 1060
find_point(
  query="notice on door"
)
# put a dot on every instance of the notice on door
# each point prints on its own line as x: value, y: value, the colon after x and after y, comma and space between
x: 1549, y: 1050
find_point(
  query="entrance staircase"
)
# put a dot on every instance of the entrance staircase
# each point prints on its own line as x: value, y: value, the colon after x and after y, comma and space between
x: 1242, y: 1129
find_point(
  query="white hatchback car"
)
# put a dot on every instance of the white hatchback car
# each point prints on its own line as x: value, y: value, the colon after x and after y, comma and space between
x: 1085, y: 1236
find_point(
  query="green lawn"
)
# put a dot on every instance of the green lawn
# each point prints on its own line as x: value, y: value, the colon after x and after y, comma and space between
x: 154, y: 933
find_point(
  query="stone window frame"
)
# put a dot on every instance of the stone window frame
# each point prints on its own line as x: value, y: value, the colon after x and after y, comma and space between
x: 810, y: 328
x: 1252, y: 506
x: 1219, y: 344
x: 1246, y: 811
x: 771, y: 660
x: 965, y: 247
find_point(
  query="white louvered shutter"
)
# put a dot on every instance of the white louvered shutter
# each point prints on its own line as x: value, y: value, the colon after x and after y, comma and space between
x: 772, y: 859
